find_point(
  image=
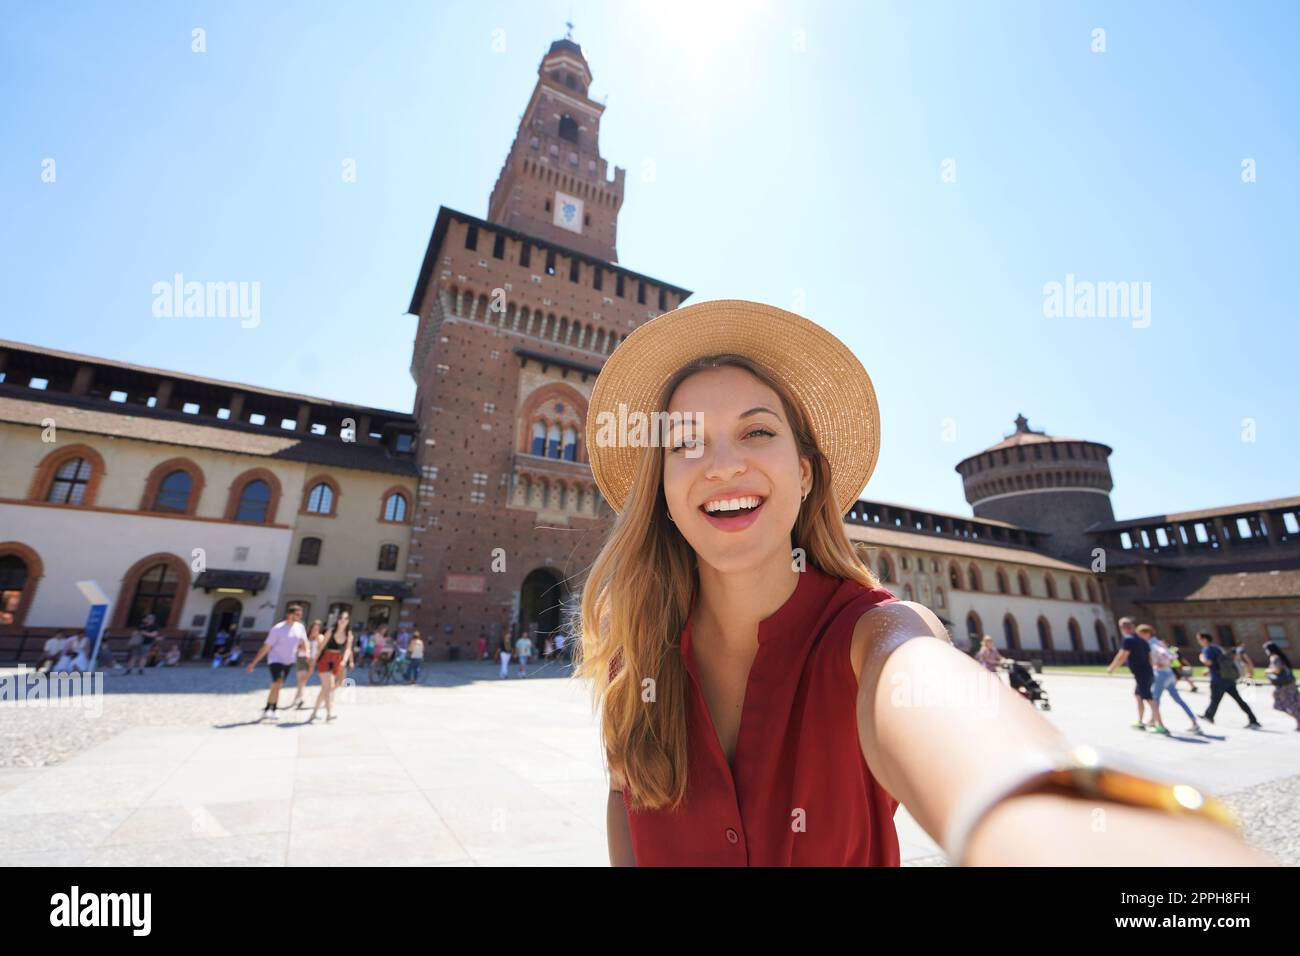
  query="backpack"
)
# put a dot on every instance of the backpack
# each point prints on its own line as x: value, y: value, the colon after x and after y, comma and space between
x: 1227, y: 667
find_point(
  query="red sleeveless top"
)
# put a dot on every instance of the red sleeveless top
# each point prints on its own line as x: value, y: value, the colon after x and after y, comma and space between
x: 801, y: 793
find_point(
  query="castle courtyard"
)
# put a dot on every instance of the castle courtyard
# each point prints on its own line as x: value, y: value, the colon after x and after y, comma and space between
x: 464, y: 769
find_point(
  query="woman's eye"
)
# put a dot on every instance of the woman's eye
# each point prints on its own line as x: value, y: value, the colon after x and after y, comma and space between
x: 686, y: 443
x: 759, y: 431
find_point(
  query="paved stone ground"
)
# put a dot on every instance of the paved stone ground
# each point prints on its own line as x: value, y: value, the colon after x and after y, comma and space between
x: 465, y: 769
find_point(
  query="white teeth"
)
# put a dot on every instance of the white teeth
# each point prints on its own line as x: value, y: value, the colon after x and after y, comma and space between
x: 733, y: 504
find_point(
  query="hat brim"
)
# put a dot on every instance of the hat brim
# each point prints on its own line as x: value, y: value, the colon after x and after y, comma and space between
x: 824, y: 377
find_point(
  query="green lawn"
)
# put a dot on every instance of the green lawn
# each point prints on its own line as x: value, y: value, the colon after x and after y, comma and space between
x: 1122, y: 671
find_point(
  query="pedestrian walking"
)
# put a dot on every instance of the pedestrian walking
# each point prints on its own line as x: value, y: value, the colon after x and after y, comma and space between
x: 305, y: 661
x: 1245, y: 666
x: 482, y: 647
x: 988, y: 654
x: 1223, y: 680
x: 1136, y: 653
x: 335, y: 659
x: 504, y: 655
x: 524, y: 650
x: 1166, y: 678
x: 1286, y: 697
x: 1183, y: 670
x: 281, y: 651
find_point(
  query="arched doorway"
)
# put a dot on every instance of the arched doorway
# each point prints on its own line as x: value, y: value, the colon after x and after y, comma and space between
x: 541, y: 601
x: 1011, y: 633
x: 1076, y: 636
x: 224, y: 617
x: 13, y: 587
x: 1045, y: 634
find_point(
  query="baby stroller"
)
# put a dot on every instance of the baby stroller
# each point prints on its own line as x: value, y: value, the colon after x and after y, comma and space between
x: 1023, y: 682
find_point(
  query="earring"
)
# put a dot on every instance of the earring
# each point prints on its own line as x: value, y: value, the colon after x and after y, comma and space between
x: 806, y: 494
x: 670, y: 516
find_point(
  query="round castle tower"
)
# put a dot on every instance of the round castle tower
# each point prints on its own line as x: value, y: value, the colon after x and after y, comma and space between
x: 1060, y: 486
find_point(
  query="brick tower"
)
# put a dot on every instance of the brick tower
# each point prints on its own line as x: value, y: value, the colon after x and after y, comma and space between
x: 516, y: 315
x: 1060, y: 486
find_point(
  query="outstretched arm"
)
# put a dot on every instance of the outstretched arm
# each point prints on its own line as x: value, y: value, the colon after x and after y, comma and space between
x: 934, y: 725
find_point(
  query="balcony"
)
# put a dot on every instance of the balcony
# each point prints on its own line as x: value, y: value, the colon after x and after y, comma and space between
x: 540, y: 465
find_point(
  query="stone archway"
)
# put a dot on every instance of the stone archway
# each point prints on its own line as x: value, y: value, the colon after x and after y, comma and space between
x: 542, y: 598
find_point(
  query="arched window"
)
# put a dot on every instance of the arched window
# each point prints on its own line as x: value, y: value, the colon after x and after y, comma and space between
x: 70, y: 481
x: 1074, y: 590
x: 254, y: 502
x: 1011, y: 632
x: 1044, y: 634
x: 974, y: 629
x: 1022, y: 580
x: 907, y: 593
x: 174, y: 492
x: 568, y: 128
x: 321, y: 500
x: 886, y: 569
x: 938, y: 597
x: 1003, y: 586
x: 395, y: 507
x: 1051, y: 584
x: 1076, y: 635
x: 973, y: 576
x: 388, y: 557
x: 570, y: 445
x: 309, y: 551
x: 553, y: 442
x: 1099, y: 631
x: 1092, y: 592
x: 155, y: 593
x: 539, y: 439
x: 954, y: 577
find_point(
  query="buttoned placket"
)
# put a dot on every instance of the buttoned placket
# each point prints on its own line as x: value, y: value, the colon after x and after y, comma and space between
x: 733, y: 828
x: 733, y: 831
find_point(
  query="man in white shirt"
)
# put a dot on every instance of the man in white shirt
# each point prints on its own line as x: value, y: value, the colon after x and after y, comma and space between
x: 281, y: 650
x: 524, y: 650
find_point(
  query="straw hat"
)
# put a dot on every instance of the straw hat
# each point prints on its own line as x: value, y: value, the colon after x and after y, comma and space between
x: 821, y: 373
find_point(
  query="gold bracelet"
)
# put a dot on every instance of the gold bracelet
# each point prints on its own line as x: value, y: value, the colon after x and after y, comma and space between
x: 1080, y: 770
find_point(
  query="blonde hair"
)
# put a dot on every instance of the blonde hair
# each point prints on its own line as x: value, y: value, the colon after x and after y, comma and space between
x: 987, y: 640
x: 639, y: 593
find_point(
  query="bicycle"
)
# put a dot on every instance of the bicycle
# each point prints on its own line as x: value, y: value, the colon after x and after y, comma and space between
x: 382, y: 671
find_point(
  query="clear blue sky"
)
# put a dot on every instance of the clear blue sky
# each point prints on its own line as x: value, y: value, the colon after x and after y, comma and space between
x: 774, y: 150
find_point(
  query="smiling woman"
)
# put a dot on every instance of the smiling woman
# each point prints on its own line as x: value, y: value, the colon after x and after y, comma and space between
x: 763, y: 700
